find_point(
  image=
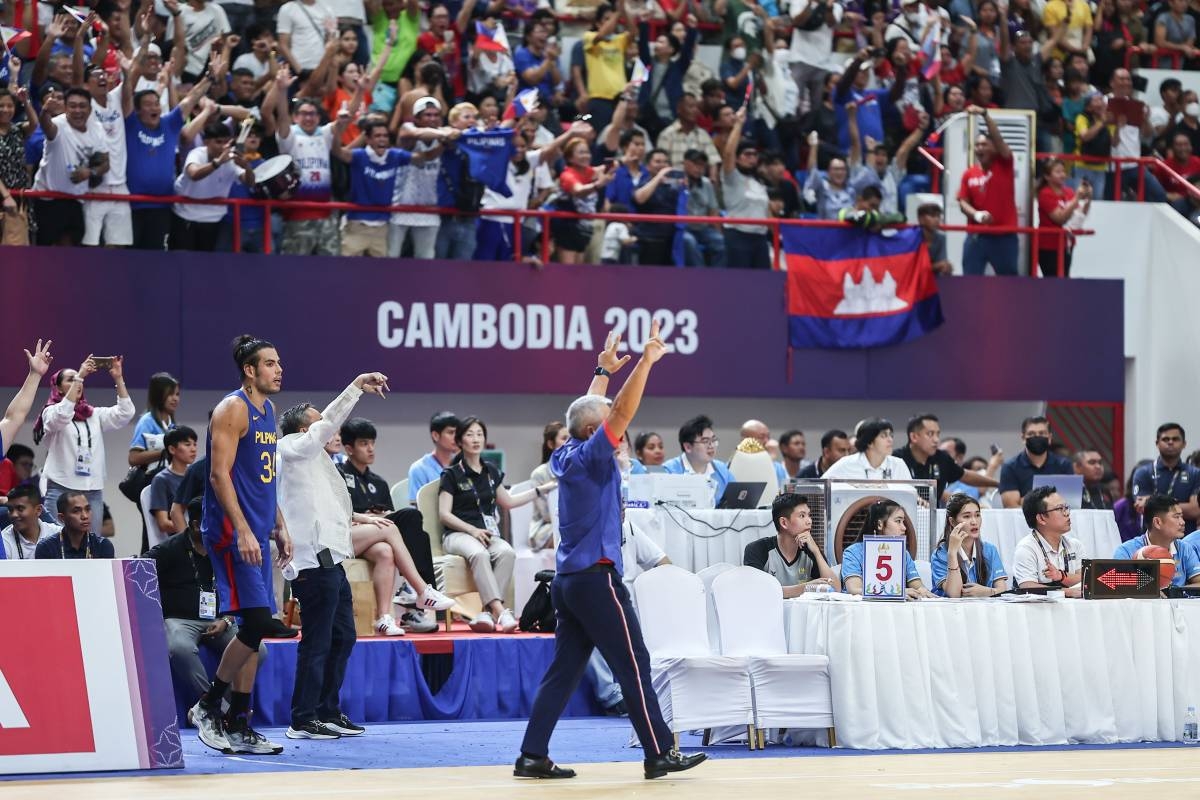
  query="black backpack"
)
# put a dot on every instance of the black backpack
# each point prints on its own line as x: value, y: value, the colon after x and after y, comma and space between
x: 538, y: 614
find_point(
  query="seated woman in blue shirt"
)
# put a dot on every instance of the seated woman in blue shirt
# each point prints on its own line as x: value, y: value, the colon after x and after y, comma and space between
x: 884, y: 518
x: 964, y: 565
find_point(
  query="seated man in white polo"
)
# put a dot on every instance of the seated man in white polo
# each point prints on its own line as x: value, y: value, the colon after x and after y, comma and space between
x: 1048, y: 557
x: 699, y: 456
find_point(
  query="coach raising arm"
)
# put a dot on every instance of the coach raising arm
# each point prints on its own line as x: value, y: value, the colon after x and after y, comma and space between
x: 591, y: 602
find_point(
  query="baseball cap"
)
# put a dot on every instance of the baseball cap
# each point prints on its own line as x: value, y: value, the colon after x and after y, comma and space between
x: 424, y: 103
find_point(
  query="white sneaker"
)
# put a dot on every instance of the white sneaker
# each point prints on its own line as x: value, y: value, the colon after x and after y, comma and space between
x: 432, y: 598
x: 415, y: 621
x: 507, y: 623
x: 484, y: 623
x: 405, y: 596
x: 386, y: 626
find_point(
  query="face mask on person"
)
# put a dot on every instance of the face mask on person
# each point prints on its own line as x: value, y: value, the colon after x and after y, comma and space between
x: 738, y: 53
x: 1192, y: 109
x: 1038, y: 445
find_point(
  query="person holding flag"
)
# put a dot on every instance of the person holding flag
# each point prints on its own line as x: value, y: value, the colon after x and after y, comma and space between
x: 490, y: 72
x: 494, y: 237
x: 373, y: 169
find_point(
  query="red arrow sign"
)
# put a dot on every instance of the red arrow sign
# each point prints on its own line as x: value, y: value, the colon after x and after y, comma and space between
x: 1113, y: 578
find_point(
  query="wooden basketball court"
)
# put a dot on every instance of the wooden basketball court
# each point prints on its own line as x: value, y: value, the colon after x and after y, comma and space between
x: 1161, y: 773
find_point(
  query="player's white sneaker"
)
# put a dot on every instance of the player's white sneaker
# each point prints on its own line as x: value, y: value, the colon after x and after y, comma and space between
x: 247, y: 740
x: 484, y: 622
x: 405, y: 596
x: 210, y: 727
x: 386, y: 626
x: 507, y: 622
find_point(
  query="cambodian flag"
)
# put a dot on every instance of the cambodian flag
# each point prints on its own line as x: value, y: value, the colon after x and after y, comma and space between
x: 494, y: 40
x: 849, y: 288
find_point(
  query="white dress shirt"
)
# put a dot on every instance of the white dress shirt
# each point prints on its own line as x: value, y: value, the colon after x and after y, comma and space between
x: 856, y: 467
x: 66, y: 438
x: 312, y: 494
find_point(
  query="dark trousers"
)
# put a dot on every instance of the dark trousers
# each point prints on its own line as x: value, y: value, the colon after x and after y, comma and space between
x: 593, y: 610
x: 1048, y: 261
x: 747, y: 250
x: 327, y: 637
x: 151, y: 227
x: 188, y: 235
x: 408, y: 521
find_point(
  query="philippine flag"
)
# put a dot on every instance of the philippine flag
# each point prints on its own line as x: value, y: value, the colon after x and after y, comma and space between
x: 849, y: 288
x: 494, y: 40
x: 522, y: 104
x: 11, y: 37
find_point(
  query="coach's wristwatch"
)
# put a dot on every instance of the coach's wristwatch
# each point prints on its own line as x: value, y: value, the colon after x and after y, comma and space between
x: 602, y: 371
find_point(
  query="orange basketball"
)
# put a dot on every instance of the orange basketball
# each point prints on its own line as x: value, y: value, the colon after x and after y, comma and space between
x: 1165, y: 572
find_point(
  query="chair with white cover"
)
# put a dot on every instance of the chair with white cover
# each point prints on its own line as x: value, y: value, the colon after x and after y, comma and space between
x: 707, y: 576
x: 529, y: 562
x: 695, y: 688
x: 925, y: 570
x: 400, y: 494
x: 790, y: 690
x: 153, y: 534
x: 451, y: 572
x: 755, y: 468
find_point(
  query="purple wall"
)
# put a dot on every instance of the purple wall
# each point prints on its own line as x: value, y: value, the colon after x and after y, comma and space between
x: 537, y: 331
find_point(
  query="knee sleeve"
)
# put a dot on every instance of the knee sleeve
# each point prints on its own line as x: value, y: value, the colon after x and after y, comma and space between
x: 255, y: 625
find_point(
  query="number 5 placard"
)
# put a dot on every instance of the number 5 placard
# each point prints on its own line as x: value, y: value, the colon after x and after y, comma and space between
x: 883, y: 568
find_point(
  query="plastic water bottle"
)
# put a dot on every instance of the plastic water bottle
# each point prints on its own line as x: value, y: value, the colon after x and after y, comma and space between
x: 1190, y: 733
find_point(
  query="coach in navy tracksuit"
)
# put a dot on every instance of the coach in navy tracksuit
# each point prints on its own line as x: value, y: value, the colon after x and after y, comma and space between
x: 590, y: 600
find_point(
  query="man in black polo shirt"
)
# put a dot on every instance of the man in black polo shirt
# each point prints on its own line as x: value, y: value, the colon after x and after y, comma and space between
x: 75, y: 539
x: 835, y: 444
x: 370, y: 494
x: 1016, y: 476
x: 926, y: 461
x: 189, y: 605
x: 1170, y: 475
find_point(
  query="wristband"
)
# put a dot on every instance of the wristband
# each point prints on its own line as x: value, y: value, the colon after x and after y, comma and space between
x: 602, y: 371
x: 978, y: 216
x: 537, y: 490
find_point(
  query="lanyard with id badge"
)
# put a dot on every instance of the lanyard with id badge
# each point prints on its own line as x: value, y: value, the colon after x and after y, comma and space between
x: 491, y: 522
x: 83, y: 458
x: 208, y: 599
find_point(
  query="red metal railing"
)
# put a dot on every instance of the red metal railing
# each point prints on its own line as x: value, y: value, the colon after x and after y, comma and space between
x: 774, y: 225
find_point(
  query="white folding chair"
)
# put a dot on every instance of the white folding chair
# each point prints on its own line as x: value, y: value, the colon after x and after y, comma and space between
x: 528, y: 562
x: 790, y: 690
x: 695, y: 688
x: 925, y: 570
x: 400, y: 494
x: 153, y: 534
x: 707, y: 576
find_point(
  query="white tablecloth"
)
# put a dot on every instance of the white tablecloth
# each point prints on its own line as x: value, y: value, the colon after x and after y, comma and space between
x: 985, y: 672
x: 695, y: 538
x: 1004, y: 527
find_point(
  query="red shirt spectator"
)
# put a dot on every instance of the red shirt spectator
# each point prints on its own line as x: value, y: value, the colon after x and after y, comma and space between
x: 444, y: 40
x: 992, y: 190
x: 1183, y: 162
x: 1049, y: 200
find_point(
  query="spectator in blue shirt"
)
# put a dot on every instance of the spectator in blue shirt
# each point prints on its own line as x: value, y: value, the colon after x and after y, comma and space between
x: 1016, y: 476
x: 152, y: 143
x: 591, y: 601
x: 630, y: 171
x: 75, y: 539
x: 884, y: 518
x: 1169, y: 474
x: 428, y: 468
x: 372, y: 181
x: 162, y: 401
x: 963, y: 565
x: 1165, y: 528
x: 852, y: 88
x: 699, y: 456
x: 536, y: 64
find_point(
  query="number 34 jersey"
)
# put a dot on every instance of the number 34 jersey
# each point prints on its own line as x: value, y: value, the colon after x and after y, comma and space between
x: 253, y: 477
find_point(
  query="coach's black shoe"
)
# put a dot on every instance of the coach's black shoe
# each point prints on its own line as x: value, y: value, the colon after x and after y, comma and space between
x: 342, y: 725
x: 277, y: 630
x: 671, y: 761
x: 313, y: 729
x: 528, y: 767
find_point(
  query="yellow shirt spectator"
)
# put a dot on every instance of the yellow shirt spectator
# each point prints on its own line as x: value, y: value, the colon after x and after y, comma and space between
x: 605, y: 61
x: 1079, y: 22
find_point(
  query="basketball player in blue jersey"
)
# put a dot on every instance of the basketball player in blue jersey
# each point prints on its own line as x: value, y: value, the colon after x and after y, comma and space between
x: 240, y: 516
